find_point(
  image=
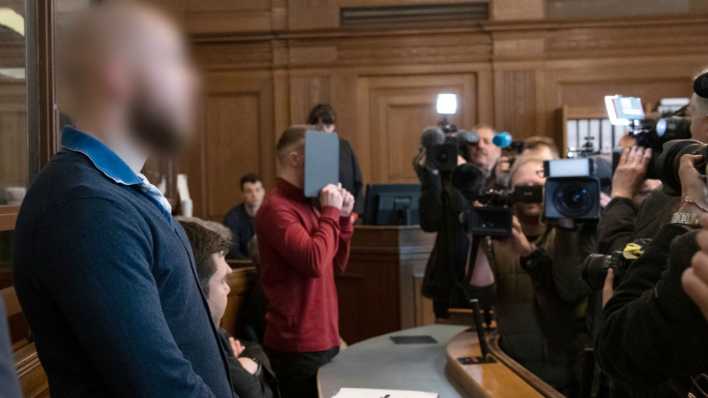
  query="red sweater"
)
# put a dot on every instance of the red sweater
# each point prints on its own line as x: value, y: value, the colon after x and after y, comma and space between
x: 299, y: 247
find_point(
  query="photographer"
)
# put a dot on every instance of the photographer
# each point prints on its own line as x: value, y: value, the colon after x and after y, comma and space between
x: 540, y: 293
x: 638, y: 208
x: 652, y: 333
x: 440, y: 206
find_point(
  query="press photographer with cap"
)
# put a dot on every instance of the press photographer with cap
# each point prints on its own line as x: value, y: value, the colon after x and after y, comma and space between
x: 652, y: 332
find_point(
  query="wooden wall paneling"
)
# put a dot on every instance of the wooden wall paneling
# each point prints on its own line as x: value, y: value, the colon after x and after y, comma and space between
x: 312, y: 14
x: 398, y: 108
x: 584, y: 83
x: 307, y: 89
x: 515, y: 99
x: 237, y: 138
x: 514, y: 10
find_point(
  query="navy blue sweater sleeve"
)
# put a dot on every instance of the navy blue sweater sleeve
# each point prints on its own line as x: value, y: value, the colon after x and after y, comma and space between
x: 102, y: 281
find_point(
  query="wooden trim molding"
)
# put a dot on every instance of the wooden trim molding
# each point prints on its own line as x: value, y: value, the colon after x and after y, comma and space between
x: 500, y: 379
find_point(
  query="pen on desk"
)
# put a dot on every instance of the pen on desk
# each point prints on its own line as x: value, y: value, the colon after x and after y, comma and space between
x: 387, y: 396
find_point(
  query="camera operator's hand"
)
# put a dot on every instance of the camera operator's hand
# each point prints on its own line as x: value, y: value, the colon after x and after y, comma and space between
x: 519, y: 243
x: 347, y: 203
x: 331, y: 196
x: 630, y: 172
x: 695, y: 278
x: 693, y: 187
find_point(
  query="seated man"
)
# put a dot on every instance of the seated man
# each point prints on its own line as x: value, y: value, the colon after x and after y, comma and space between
x: 240, y: 219
x: 249, y: 367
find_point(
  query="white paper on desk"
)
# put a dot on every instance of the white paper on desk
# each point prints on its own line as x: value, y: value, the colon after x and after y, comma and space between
x: 374, y: 393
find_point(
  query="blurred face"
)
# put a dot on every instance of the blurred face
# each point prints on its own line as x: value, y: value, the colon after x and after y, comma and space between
x: 253, y: 194
x: 485, y: 153
x: 161, y: 109
x: 219, y: 288
x: 699, y: 122
x: 529, y: 174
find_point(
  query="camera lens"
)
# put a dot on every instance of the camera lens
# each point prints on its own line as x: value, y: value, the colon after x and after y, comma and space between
x: 573, y: 199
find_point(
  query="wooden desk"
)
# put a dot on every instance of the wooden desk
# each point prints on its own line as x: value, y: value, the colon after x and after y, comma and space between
x: 380, y: 291
x: 378, y: 363
x: 503, y: 379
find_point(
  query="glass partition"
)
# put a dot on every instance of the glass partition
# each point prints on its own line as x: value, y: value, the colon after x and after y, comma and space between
x: 14, y: 136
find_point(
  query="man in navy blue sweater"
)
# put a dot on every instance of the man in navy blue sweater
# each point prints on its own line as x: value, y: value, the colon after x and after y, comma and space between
x: 105, y: 276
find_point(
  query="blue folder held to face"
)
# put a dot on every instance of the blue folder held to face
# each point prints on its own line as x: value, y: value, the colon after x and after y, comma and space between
x: 321, y: 161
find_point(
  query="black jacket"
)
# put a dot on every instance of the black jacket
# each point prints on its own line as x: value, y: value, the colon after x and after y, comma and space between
x: 261, y: 385
x: 446, y: 265
x: 622, y: 222
x: 241, y: 225
x: 350, y: 174
x: 652, y: 332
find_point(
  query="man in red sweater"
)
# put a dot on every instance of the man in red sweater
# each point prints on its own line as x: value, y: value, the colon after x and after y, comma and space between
x: 301, y: 241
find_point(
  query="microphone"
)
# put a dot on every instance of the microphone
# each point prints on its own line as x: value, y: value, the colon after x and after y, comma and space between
x: 502, y: 140
x: 700, y: 86
x: 432, y: 136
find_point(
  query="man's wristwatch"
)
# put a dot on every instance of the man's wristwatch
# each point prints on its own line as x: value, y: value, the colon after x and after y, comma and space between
x: 688, y: 219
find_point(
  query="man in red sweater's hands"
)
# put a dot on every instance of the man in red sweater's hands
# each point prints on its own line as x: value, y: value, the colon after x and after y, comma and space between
x: 301, y: 241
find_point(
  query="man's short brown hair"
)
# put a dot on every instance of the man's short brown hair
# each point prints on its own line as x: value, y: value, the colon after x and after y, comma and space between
x: 293, y: 137
x: 206, y: 238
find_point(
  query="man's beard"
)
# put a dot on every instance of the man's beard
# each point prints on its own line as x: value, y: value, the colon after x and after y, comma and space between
x: 154, y: 128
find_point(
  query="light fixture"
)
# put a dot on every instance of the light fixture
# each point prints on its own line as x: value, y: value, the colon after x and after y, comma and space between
x: 446, y: 104
x: 12, y: 20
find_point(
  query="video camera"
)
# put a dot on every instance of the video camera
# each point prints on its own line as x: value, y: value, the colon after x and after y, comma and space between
x: 443, y: 154
x: 649, y: 133
x: 572, y: 190
x: 494, y: 217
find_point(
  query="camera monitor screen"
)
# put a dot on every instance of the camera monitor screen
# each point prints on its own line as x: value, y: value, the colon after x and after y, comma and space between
x: 568, y: 168
x: 321, y: 161
x: 623, y: 110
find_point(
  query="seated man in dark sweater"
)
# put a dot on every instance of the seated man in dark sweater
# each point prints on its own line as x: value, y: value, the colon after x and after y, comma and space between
x: 241, y: 218
x: 102, y: 270
x: 249, y: 367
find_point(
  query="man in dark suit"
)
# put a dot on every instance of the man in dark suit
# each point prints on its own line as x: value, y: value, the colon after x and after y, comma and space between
x: 324, y: 117
x: 105, y: 275
x: 8, y: 376
x: 241, y: 218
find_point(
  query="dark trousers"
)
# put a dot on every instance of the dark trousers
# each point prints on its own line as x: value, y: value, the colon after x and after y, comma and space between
x: 297, y: 371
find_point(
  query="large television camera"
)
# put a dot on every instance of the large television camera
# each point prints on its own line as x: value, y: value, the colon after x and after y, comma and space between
x: 572, y: 190
x: 648, y: 132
